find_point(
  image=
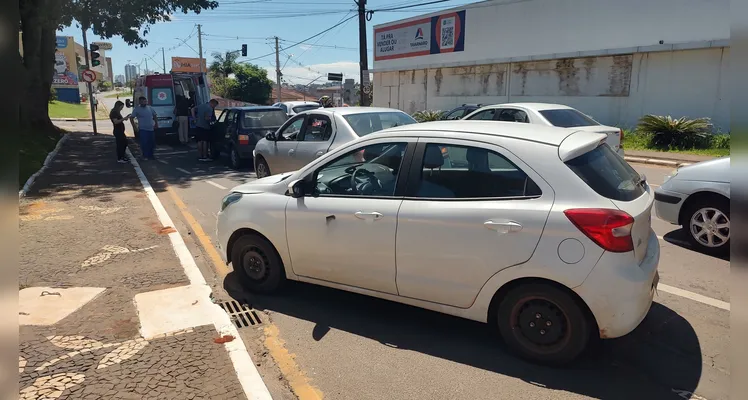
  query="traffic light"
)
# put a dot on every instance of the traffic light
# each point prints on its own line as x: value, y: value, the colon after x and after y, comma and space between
x: 94, y: 55
x: 244, y: 50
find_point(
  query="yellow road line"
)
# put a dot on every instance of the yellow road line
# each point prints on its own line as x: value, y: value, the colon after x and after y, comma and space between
x: 296, y: 378
x: 221, y: 268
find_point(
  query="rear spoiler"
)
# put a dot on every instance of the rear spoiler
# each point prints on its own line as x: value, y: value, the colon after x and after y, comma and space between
x: 579, y: 143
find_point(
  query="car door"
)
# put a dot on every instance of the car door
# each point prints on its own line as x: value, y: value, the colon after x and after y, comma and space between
x: 231, y: 126
x: 314, y: 140
x: 471, y: 210
x: 219, y: 128
x: 281, y: 151
x: 346, y: 234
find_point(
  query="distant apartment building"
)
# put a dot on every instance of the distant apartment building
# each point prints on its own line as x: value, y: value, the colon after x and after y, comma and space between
x: 120, y: 79
x: 131, y: 72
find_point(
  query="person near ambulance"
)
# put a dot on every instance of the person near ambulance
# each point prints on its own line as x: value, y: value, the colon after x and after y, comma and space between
x: 147, y: 125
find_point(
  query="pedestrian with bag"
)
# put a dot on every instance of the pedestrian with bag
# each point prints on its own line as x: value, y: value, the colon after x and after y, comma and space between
x: 147, y: 125
x: 119, y: 130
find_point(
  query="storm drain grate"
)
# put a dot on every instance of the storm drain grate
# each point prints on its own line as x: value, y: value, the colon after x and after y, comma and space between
x: 240, y: 314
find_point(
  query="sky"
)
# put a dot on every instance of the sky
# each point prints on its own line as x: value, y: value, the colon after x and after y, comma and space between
x: 255, y: 23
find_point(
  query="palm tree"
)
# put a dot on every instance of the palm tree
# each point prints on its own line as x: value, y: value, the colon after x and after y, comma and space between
x: 223, y: 64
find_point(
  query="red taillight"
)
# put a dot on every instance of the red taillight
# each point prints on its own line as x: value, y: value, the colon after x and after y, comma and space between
x: 620, y: 138
x: 243, y: 139
x: 610, y: 229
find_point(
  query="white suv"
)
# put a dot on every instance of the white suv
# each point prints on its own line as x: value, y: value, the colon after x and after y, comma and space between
x: 543, y: 232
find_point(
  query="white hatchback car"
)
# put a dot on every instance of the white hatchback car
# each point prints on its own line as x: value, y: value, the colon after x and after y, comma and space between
x: 543, y: 232
x: 549, y: 115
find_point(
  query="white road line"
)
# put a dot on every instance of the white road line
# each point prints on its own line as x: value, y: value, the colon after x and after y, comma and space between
x: 694, y: 296
x: 248, y: 375
x: 171, y: 153
x: 162, y: 161
x: 216, y: 185
x: 183, y: 170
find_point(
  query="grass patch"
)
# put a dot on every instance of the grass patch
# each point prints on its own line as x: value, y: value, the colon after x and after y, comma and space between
x: 122, y: 95
x: 713, y: 145
x: 60, y: 109
x: 34, y: 147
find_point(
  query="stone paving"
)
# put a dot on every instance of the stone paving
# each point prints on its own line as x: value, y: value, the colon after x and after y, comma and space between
x: 87, y: 223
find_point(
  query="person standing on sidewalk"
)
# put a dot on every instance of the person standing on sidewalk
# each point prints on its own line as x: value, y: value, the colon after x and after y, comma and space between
x: 182, y: 112
x: 119, y: 130
x: 95, y: 103
x: 147, y: 125
x: 204, y: 115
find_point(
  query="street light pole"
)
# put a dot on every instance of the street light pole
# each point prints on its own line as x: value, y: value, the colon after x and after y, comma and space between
x: 88, y: 84
x: 277, y: 69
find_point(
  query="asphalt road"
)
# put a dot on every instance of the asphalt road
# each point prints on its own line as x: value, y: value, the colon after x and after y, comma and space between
x: 354, y: 347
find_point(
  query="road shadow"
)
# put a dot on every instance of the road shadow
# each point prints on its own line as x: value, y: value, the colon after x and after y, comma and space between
x: 662, y: 355
x: 679, y: 237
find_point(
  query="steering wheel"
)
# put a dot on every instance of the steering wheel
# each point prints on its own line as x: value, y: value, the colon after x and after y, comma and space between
x: 369, y: 182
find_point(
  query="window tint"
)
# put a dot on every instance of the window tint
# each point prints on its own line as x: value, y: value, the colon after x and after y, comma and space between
x: 369, y: 171
x: 484, y: 115
x: 456, y: 114
x: 567, y: 118
x: 607, y: 174
x: 291, y: 132
x: 162, y: 96
x: 263, y: 119
x: 305, y: 107
x: 318, y: 129
x: 231, y: 117
x: 512, y: 115
x: 364, y: 124
x: 462, y: 172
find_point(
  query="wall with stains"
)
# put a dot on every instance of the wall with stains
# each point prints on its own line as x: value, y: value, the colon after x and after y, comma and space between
x: 615, y: 90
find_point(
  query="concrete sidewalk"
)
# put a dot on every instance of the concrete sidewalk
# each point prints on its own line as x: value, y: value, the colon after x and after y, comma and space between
x: 664, y: 158
x: 98, y: 277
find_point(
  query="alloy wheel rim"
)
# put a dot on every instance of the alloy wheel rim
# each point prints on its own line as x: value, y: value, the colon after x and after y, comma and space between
x: 261, y: 170
x: 710, y: 227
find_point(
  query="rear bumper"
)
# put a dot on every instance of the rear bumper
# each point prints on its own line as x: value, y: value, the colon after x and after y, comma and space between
x: 668, y: 205
x: 618, y: 292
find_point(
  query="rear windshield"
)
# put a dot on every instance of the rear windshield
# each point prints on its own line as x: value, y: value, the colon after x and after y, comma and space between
x: 263, y: 119
x: 607, y: 174
x: 305, y: 107
x: 567, y: 118
x: 364, y: 124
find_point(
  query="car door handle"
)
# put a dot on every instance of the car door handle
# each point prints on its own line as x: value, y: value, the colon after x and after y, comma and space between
x: 369, y: 216
x: 290, y: 152
x: 503, y: 227
x: 319, y: 153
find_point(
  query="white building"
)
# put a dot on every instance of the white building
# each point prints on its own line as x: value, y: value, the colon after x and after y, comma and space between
x: 131, y: 72
x: 615, y: 60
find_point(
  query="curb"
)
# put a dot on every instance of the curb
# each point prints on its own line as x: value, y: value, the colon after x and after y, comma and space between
x: 657, y: 161
x: 70, y: 119
x: 47, y: 161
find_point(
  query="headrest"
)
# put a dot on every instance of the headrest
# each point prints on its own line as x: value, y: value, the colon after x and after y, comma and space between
x: 433, y: 157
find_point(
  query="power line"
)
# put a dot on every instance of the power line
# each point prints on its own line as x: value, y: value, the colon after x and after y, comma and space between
x: 409, y: 6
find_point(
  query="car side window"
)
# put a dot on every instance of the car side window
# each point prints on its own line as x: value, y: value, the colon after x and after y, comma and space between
x: 291, y: 131
x: 484, y: 115
x: 222, y: 117
x: 231, y: 118
x: 456, y: 114
x: 513, y: 115
x: 464, y: 172
x: 318, y: 129
x: 369, y: 171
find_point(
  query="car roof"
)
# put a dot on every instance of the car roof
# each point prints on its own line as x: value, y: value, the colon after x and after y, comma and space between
x: 297, y: 103
x: 255, y: 108
x: 531, y: 132
x: 532, y: 106
x: 352, y: 110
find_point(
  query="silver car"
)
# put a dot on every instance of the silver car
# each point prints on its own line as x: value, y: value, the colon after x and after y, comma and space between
x: 313, y: 133
x: 697, y: 197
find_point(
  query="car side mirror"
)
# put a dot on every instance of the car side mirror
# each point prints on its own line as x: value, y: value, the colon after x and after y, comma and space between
x: 271, y: 137
x: 297, y: 188
x: 128, y: 103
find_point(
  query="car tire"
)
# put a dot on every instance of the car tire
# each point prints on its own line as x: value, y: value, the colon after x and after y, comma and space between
x: 716, y: 210
x: 257, y: 264
x: 262, y: 169
x: 543, y: 323
x: 235, y: 161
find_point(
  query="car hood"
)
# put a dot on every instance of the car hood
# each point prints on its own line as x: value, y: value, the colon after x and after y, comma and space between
x: 717, y: 170
x: 268, y: 184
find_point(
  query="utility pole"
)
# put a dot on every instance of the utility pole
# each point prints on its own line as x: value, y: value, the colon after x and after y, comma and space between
x: 163, y: 58
x: 200, y: 46
x: 363, y: 51
x: 146, y: 66
x: 90, y: 89
x: 277, y: 68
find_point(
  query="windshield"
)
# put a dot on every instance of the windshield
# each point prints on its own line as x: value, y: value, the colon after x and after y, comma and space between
x: 305, y: 107
x: 263, y: 119
x: 364, y: 124
x: 567, y: 118
x: 607, y: 174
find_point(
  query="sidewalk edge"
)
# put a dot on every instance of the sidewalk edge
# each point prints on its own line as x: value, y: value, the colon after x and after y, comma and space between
x: 657, y: 161
x: 47, y: 161
x: 246, y: 371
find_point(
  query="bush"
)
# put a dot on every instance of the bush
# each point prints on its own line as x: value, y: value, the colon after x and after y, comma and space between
x: 720, y: 141
x: 427, y: 116
x: 677, y: 134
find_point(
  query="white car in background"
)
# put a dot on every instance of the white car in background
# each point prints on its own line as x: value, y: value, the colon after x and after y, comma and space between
x: 697, y: 197
x: 295, y: 107
x: 542, y: 232
x: 550, y: 115
x: 311, y: 134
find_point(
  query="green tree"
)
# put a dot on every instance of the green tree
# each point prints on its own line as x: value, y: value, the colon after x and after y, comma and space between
x: 252, y: 84
x: 39, y: 21
x: 223, y: 64
x: 105, y: 85
x: 224, y: 87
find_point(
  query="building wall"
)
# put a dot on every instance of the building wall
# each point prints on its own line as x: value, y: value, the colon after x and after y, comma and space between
x: 616, y: 90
